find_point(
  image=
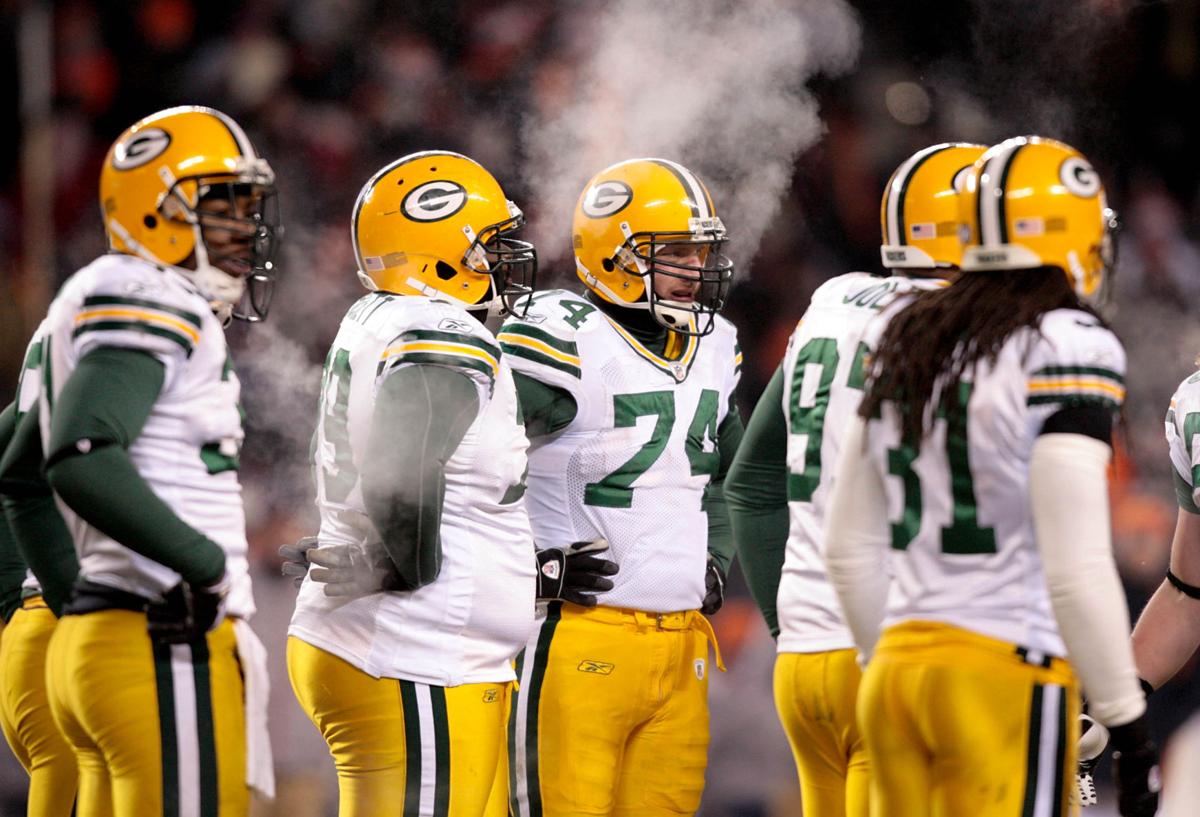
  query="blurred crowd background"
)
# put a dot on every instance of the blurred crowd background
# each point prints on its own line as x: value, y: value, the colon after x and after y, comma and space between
x: 330, y: 90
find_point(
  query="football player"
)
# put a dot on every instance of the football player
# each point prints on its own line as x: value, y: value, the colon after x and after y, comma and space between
x: 970, y: 520
x: 628, y: 397
x: 35, y: 535
x: 419, y: 461
x: 140, y: 426
x: 779, y: 484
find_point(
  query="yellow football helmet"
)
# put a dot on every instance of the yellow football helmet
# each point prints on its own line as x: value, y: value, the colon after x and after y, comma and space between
x: 1032, y: 202
x: 152, y: 184
x: 644, y: 218
x: 438, y: 224
x: 919, y: 212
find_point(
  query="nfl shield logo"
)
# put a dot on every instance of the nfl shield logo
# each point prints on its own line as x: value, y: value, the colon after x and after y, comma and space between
x: 699, y: 664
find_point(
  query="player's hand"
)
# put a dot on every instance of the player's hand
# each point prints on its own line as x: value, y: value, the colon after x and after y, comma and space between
x: 714, y: 588
x: 1093, y: 740
x: 185, y: 613
x: 1135, y: 769
x: 295, y: 559
x: 574, y: 573
x: 353, y: 570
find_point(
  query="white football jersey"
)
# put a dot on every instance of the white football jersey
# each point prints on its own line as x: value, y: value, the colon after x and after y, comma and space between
x: 635, y: 463
x: 468, y: 624
x: 823, y: 377
x: 1182, y: 427
x: 188, y: 449
x: 963, y: 547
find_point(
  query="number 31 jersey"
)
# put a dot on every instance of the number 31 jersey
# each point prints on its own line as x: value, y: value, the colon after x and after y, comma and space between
x: 635, y: 463
x: 468, y: 624
x: 964, y: 550
x: 823, y: 374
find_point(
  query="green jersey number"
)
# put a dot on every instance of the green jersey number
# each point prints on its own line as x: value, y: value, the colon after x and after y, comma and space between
x: 616, y: 489
x: 810, y: 420
x: 339, y: 475
x: 963, y: 536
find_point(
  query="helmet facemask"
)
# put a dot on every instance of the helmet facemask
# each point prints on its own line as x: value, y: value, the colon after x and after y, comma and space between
x: 665, y: 255
x: 235, y: 220
x: 511, y: 263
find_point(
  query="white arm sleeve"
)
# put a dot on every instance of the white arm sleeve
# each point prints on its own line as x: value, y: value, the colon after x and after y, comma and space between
x: 1068, y: 486
x: 856, y: 540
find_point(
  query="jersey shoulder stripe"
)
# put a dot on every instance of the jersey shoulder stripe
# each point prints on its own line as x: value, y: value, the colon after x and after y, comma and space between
x: 538, y: 346
x: 442, y: 349
x: 1074, y: 385
x: 100, y: 313
x: 737, y: 357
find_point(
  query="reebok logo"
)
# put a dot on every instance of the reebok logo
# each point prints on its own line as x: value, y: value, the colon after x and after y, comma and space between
x: 596, y: 667
x: 491, y: 695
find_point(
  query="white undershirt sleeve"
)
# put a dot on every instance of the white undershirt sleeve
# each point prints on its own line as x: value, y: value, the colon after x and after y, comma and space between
x: 1068, y: 486
x: 856, y: 540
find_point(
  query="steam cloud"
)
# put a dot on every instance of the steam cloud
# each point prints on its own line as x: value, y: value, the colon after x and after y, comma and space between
x: 718, y: 86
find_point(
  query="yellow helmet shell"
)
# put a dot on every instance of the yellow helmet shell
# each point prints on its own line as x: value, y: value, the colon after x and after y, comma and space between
x: 416, y: 221
x: 1031, y: 202
x: 160, y: 158
x: 637, y: 196
x: 919, y: 211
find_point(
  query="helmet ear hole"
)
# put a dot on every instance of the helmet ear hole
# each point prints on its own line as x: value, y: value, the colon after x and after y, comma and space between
x: 445, y: 271
x: 150, y: 221
x: 608, y: 264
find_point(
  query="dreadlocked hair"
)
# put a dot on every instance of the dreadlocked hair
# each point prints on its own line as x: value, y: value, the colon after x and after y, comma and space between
x: 937, y: 340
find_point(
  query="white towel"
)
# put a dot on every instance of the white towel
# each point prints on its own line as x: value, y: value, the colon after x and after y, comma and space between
x: 260, y: 766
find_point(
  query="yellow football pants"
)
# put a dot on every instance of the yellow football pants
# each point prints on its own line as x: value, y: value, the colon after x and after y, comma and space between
x: 957, y: 723
x: 815, y: 695
x: 25, y: 712
x: 611, y: 715
x: 156, y: 728
x: 402, y: 747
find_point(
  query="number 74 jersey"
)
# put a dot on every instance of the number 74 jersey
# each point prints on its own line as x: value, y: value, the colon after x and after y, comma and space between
x: 635, y: 463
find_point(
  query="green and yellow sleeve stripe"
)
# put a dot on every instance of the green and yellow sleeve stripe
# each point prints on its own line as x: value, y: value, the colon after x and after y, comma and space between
x: 737, y: 358
x: 539, y: 346
x: 119, y: 313
x: 1075, y: 385
x: 442, y: 349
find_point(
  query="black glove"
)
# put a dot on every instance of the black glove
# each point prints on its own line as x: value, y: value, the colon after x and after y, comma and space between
x: 574, y: 574
x: 714, y: 588
x: 1135, y: 769
x: 185, y: 613
x: 295, y: 559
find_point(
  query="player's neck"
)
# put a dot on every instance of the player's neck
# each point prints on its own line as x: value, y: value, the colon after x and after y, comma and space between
x: 638, y: 322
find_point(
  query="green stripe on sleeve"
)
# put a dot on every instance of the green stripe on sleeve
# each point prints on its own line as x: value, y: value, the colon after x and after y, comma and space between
x: 438, y: 359
x: 412, y: 749
x: 120, y: 300
x: 1075, y: 371
x: 134, y: 326
x: 430, y: 335
x: 566, y: 346
x: 1072, y: 399
x: 534, y: 356
x: 441, y: 743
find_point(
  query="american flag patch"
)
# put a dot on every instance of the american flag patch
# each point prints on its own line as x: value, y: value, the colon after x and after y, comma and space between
x: 1029, y: 226
x: 373, y: 263
x: 920, y: 231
